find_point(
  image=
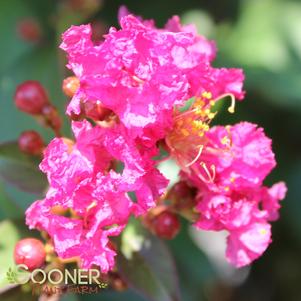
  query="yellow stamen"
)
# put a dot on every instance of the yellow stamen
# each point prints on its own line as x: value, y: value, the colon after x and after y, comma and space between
x: 187, y: 138
x: 211, y: 115
x: 207, y: 95
x: 225, y: 140
x: 263, y: 231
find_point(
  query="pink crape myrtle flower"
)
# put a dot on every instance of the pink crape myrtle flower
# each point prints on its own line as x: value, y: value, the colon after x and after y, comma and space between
x: 141, y: 73
x: 245, y: 214
x: 92, y: 156
x: 82, y: 181
x: 84, y: 237
x: 234, y: 157
x: 248, y: 242
x: 239, y: 208
x: 229, y: 174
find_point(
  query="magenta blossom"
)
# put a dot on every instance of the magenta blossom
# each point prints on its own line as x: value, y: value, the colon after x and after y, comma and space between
x: 233, y: 157
x: 229, y: 174
x: 82, y: 181
x: 141, y: 73
x: 245, y: 214
x: 85, y: 237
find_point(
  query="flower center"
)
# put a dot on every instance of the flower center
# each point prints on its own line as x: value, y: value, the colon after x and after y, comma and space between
x: 187, y: 138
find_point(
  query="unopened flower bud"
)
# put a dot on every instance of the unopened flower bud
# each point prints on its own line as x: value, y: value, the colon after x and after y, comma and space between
x: 31, y: 252
x: 31, y: 142
x: 29, y: 30
x: 31, y: 97
x: 166, y: 225
x: 70, y: 85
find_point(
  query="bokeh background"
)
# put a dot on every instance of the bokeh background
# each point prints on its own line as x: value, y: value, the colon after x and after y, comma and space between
x: 261, y: 36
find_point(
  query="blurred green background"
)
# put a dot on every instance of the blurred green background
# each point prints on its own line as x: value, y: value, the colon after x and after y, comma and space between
x: 261, y: 36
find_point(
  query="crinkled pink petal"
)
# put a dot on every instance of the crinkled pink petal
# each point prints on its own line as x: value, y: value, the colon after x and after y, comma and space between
x: 241, y: 156
x: 247, y: 244
x: 201, y: 44
x: 123, y: 12
x: 270, y: 199
x: 65, y: 169
x: 220, y: 212
x: 74, y: 237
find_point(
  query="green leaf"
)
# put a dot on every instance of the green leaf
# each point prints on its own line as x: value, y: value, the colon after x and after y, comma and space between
x: 147, y: 265
x: 8, y: 207
x: 20, y: 169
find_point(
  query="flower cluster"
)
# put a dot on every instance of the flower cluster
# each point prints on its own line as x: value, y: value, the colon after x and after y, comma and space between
x: 128, y: 95
x: 82, y: 181
x: 229, y: 174
x: 141, y: 73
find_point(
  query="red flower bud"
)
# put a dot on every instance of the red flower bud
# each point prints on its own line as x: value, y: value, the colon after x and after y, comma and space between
x: 31, y: 252
x: 166, y: 225
x: 29, y: 30
x: 31, y: 97
x: 31, y: 142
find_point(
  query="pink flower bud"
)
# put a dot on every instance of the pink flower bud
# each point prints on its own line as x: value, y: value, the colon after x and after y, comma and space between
x: 31, y: 97
x: 31, y: 252
x: 31, y: 142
